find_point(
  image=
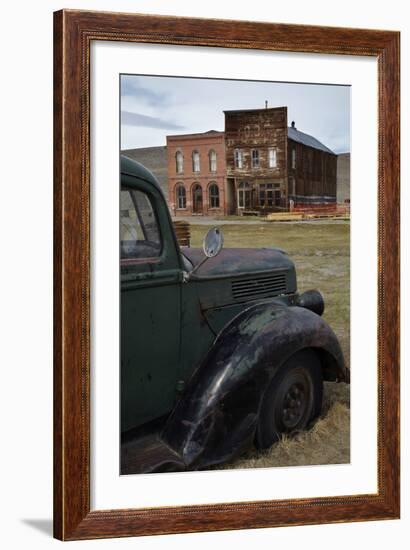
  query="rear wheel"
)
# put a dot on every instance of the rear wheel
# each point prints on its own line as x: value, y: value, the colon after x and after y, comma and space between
x: 292, y: 400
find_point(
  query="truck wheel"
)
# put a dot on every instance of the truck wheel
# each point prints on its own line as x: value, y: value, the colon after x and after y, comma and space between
x: 292, y: 400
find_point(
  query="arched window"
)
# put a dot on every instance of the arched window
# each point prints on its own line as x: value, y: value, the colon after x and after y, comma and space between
x: 195, y: 161
x: 179, y: 161
x: 213, y: 196
x: 181, y: 196
x: 212, y: 161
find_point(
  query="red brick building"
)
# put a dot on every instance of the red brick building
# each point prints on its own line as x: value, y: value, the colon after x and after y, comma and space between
x: 197, y: 174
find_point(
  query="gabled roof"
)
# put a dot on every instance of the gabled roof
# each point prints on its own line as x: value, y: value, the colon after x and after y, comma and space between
x: 306, y: 139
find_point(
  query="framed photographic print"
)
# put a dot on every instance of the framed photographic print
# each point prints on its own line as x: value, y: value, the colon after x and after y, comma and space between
x: 226, y: 347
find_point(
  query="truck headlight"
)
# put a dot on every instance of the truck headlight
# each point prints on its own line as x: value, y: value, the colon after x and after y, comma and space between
x: 313, y: 300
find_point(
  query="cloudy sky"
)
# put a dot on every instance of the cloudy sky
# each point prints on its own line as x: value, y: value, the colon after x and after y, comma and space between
x: 153, y: 107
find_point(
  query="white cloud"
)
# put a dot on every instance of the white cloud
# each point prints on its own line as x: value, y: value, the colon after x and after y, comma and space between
x: 197, y: 105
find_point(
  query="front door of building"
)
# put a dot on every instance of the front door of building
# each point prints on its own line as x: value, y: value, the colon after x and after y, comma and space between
x: 197, y: 199
x: 231, y: 197
x: 244, y: 196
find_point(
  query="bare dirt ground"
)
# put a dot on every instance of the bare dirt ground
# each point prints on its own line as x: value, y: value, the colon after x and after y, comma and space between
x: 321, y: 252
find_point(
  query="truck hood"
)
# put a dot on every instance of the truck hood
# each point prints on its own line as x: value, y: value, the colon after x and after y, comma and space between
x: 238, y: 261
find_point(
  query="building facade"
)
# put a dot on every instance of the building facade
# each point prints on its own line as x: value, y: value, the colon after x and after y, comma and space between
x: 272, y: 167
x: 256, y: 159
x: 311, y: 172
x: 197, y: 174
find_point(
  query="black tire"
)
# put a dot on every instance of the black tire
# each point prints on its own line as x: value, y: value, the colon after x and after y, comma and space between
x: 292, y: 399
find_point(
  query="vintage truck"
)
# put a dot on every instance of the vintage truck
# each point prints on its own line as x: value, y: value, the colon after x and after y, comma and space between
x: 218, y: 349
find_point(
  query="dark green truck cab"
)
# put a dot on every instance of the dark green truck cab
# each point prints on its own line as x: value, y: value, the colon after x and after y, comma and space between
x: 218, y: 349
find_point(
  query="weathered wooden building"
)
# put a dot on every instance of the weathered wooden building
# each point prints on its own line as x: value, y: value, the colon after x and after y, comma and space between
x: 311, y: 171
x: 256, y: 159
x: 272, y: 167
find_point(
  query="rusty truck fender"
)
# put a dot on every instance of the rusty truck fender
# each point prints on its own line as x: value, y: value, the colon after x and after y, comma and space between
x: 218, y: 413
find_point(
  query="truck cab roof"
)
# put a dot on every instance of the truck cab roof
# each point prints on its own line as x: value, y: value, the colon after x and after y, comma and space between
x: 134, y: 168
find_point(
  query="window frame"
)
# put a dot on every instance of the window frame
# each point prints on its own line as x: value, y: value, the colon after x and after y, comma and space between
x: 196, y: 155
x: 211, y: 196
x: 244, y: 192
x: 179, y: 186
x: 293, y: 158
x: 127, y: 262
x: 272, y: 162
x: 268, y: 191
x: 238, y: 159
x: 178, y: 155
x: 212, y: 156
x: 255, y: 156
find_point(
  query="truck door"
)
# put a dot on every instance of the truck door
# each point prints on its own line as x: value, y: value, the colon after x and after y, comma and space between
x: 150, y: 305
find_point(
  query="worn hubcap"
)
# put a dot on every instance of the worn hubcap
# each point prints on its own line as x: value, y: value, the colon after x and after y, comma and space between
x: 294, y: 405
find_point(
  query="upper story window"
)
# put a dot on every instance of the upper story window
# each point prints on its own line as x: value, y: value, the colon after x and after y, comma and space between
x: 293, y: 158
x: 212, y: 161
x: 179, y: 161
x: 140, y: 236
x: 195, y: 162
x: 213, y: 196
x: 255, y: 158
x: 238, y: 159
x: 272, y: 157
x: 181, y: 196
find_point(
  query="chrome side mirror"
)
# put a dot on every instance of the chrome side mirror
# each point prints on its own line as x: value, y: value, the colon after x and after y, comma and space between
x: 211, y: 246
x: 213, y: 242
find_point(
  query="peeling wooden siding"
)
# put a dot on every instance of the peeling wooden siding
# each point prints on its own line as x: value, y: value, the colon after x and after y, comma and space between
x: 260, y: 129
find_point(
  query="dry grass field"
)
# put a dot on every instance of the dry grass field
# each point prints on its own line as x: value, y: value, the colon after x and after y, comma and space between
x: 320, y: 251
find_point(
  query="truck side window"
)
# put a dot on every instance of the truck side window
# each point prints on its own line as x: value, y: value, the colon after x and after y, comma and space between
x: 139, y: 233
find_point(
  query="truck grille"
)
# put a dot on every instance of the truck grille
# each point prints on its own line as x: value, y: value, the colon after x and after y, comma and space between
x: 267, y: 285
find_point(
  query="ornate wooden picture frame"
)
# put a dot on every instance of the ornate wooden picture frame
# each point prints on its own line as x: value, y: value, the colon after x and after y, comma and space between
x: 74, y: 32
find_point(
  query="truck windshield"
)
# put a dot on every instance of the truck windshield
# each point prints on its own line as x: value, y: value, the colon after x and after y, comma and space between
x: 139, y: 233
